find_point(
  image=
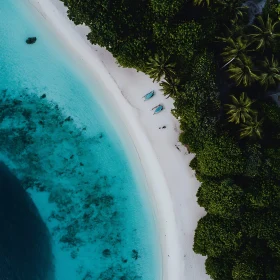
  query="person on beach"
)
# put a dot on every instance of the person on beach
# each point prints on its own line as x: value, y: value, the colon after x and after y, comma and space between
x: 177, y: 148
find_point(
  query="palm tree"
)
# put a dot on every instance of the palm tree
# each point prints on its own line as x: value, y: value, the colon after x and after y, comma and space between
x: 252, y: 128
x: 170, y: 86
x: 264, y: 33
x: 240, y: 110
x: 238, y: 13
x: 271, y: 75
x: 234, y: 49
x: 201, y: 2
x: 160, y: 66
x: 242, y: 72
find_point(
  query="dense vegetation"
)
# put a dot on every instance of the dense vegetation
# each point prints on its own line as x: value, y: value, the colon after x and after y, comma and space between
x: 221, y: 64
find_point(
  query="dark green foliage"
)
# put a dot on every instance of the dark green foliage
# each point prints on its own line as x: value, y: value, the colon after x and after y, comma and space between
x: 264, y: 224
x: 124, y: 28
x: 274, y: 245
x: 272, y: 113
x: 271, y: 8
x: 253, y: 160
x: 220, y: 157
x: 194, y: 166
x: 245, y: 270
x: 217, y: 237
x: 254, y: 262
x: 272, y: 120
x: 179, y: 39
x: 234, y: 48
x: 219, y: 268
x: 240, y: 110
x: 223, y: 198
x: 170, y: 87
x: 242, y: 71
x: 166, y: 8
x: 252, y: 128
x: 263, y: 193
x: 202, y: 2
x: 203, y: 69
x: 160, y: 66
x: 272, y: 161
x: 201, y: 103
x: 197, y: 105
x: 264, y: 32
x: 137, y: 46
x: 271, y: 72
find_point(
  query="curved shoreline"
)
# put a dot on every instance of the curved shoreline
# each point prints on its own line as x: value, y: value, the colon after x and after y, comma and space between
x: 161, y: 191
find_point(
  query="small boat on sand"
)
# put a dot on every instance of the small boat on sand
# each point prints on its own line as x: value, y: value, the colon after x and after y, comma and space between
x: 158, y: 109
x: 149, y: 95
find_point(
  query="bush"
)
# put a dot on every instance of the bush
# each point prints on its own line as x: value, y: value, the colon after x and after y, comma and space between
x: 220, y: 157
x: 217, y: 237
x: 262, y: 224
x: 224, y: 198
x: 178, y: 39
x: 166, y: 8
x: 253, y: 160
x: 219, y: 268
x: 263, y: 193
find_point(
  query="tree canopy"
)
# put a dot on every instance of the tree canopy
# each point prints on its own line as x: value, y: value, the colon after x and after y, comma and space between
x: 220, y: 64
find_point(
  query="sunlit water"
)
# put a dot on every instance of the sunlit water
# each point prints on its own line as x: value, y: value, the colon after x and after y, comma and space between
x: 63, y: 146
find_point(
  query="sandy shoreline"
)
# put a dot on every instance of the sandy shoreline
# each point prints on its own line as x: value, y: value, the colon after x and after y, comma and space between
x: 171, y: 182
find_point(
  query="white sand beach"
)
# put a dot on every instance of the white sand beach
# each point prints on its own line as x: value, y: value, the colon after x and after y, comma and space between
x: 172, y: 184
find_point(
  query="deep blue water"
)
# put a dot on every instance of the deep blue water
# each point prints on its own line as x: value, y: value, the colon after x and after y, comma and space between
x: 57, y: 139
x: 25, y: 246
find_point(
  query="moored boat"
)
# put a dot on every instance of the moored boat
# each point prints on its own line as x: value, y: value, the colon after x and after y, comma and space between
x: 158, y: 109
x: 149, y: 95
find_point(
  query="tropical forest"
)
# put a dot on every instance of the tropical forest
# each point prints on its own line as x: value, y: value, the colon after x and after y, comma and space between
x: 220, y: 62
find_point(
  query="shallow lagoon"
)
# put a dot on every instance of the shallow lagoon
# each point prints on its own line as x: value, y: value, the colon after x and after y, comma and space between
x: 57, y: 139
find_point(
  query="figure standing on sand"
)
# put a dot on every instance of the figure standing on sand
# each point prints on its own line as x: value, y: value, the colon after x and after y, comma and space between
x: 177, y: 148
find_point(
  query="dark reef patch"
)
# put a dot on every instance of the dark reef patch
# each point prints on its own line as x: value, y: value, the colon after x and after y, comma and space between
x: 49, y: 152
x: 31, y: 40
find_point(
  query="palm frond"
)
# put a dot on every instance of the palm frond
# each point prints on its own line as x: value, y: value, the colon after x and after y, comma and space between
x: 240, y: 110
x: 264, y: 33
x: 170, y: 86
x: 252, y: 128
x: 242, y: 71
x: 159, y: 66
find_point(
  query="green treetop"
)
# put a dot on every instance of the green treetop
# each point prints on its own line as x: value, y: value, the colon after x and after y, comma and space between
x: 160, y: 66
x: 252, y: 128
x: 271, y: 72
x: 242, y: 71
x: 241, y: 109
x: 264, y: 33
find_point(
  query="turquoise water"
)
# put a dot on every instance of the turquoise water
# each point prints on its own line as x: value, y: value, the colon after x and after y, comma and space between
x: 58, y: 140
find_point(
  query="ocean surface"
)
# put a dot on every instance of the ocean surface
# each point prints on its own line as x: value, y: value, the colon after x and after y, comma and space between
x: 25, y: 247
x: 59, y: 140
